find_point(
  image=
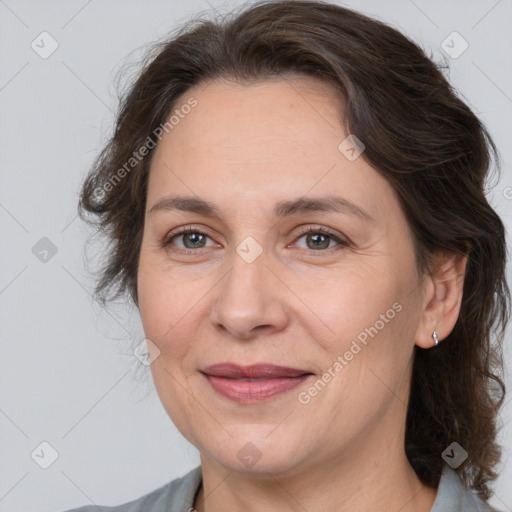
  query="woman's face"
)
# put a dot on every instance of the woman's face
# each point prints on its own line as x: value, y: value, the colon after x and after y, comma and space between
x: 297, y: 255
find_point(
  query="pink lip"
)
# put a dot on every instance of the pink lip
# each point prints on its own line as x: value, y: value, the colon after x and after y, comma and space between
x: 230, y: 380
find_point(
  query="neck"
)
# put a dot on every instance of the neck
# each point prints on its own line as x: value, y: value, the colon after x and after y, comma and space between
x: 371, y: 482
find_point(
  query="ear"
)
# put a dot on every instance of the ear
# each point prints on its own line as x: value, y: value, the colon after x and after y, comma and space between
x: 442, y: 298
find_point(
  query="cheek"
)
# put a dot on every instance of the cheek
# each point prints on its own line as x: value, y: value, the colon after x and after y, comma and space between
x: 166, y: 312
x: 372, y: 316
x: 348, y: 302
x: 164, y: 301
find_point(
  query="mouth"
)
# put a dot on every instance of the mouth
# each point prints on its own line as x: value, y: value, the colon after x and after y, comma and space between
x: 255, y: 383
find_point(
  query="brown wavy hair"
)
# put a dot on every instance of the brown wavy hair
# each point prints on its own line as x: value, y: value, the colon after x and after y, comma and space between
x: 418, y: 134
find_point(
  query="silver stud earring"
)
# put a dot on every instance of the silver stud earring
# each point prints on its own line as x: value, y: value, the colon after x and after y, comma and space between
x: 434, y: 335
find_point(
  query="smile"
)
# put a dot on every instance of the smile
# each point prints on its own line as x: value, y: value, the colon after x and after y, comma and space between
x: 255, y: 383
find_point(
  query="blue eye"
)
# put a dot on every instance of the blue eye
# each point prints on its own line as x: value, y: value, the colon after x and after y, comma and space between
x: 319, y: 239
x: 191, y: 239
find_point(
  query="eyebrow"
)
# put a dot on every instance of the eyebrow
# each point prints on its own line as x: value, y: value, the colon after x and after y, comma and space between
x: 282, y: 209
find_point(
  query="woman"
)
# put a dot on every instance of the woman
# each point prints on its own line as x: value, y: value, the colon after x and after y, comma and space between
x: 295, y: 201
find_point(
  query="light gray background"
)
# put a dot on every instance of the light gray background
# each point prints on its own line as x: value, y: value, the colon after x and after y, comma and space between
x: 67, y: 373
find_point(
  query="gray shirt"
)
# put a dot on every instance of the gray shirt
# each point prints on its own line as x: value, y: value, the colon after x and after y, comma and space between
x: 178, y: 496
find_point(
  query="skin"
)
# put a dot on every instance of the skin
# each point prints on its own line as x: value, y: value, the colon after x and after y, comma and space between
x: 244, y: 148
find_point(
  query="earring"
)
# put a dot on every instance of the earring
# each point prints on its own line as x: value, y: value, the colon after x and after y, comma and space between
x: 434, y: 335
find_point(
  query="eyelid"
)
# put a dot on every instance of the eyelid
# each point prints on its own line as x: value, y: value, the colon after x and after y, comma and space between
x: 183, y: 230
x: 340, y: 240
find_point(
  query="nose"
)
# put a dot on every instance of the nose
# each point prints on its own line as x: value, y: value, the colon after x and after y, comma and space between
x: 249, y: 300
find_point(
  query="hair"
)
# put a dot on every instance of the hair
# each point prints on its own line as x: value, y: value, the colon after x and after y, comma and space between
x: 418, y: 134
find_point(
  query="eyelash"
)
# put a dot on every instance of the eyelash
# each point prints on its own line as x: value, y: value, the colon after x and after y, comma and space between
x: 166, y: 242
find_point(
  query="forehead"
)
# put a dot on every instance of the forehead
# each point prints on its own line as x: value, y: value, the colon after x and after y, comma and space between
x: 278, y: 135
x: 257, y: 121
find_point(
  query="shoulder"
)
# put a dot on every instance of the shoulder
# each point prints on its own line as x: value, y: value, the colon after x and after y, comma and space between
x: 176, y: 495
x: 452, y: 496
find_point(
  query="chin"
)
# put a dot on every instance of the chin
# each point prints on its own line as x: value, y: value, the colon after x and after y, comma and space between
x: 257, y: 449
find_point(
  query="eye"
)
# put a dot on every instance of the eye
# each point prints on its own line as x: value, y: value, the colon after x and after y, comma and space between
x: 193, y: 240
x: 188, y: 239
x: 320, y: 239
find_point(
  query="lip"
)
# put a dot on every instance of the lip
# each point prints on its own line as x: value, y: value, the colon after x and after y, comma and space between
x: 254, y: 383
